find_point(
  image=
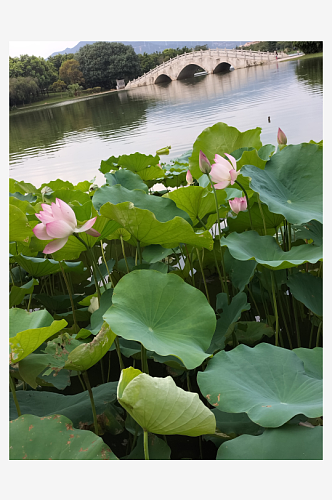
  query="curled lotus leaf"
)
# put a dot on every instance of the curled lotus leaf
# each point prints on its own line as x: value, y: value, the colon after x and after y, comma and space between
x: 160, y: 407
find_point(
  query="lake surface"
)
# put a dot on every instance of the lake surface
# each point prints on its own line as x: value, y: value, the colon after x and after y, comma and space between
x: 68, y: 141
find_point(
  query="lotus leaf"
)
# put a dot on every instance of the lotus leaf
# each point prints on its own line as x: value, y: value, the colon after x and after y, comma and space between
x: 287, y: 443
x: 292, y: 182
x: 76, y: 407
x: 312, y: 360
x: 268, y: 383
x: 163, y: 209
x: 43, y: 267
x: 160, y: 407
x: 87, y: 355
x: 196, y: 201
x: 17, y: 293
x: 220, y: 139
x: 127, y: 179
x: 143, y: 225
x: 307, y: 289
x: 54, y: 438
x: 240, y: 272
x: 158, y: 449
x: 265, y: 250
x: 19, y: 228
x: 164, y: 313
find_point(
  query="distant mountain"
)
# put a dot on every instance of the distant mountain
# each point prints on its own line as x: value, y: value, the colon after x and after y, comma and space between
x: 159, y: 46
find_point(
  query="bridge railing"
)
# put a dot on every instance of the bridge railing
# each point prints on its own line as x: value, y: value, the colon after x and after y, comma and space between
x: 242, y: 54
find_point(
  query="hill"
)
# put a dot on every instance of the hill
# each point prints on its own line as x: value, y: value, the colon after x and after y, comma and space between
x: 158, y: 46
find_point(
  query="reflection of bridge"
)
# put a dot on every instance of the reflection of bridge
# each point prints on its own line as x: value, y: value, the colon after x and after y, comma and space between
x: 211, y: 61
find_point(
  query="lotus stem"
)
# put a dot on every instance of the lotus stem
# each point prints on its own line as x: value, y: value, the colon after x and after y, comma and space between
x: 87, y: 383
x: 146, y: 445
x: 144, y: 361
x: 124, y: 253
x: 318, y: 333
x: 311, y: 334
x: 70, y: 297
x: 275, y: 309
x: 105, y: 262
x: 191, y: 267
x: 203, y: 275
x: 12, y: 387
x: 118, y: 351
x: 214, y: 255
x: 262, y: 214
x: 139, y: 252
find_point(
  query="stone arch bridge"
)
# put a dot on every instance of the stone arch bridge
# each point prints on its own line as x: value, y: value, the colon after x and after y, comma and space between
x: 211, y: 61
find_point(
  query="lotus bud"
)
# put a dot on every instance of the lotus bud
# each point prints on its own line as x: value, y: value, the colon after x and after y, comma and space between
x: 281, y: 138
x: 204, y: 163
x: 93, y: 187
x: 189, y: 177
x: 238, y: 204
x: 94, y: 305
x: 46, y: 189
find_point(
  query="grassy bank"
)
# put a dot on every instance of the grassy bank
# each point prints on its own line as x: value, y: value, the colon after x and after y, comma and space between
x: 55, y: 100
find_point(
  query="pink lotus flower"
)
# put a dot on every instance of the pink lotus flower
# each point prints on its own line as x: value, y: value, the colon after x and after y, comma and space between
x: 58, y: 221
x: 189, y: 177
x: 281, y: 138
x: 238, y: 204
x: 223, y: 172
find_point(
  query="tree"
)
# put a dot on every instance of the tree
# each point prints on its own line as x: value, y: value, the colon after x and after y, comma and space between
x: 33, y: 66
x: 309, y: 47
x: 102, y: 63
x: 22, y: 89
x: 58, y: 59
x: 201, y: 47
x: 69, y: 72
x: 58, y: 86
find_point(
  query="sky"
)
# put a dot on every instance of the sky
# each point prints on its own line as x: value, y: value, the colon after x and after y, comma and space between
x: 39, y: 49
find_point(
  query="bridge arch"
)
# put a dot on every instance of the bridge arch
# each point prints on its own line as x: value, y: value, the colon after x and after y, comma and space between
x: 222, y: 67
x: 189, y: 70
x: 163, y: 78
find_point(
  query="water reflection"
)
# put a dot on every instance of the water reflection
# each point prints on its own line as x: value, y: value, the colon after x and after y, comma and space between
x: 69, y: 141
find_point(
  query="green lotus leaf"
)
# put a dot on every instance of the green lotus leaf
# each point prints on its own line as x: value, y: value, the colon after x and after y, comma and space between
x: 308, y: 289
x: 19, y: 227
x: 291, y: 183
x: 287, y: 443
x: 76, y: 407
x: 196, y: 201
x: 87, y: 355
x: 17, y: 293
x: 21, y: 187
x: 43, y: 267
x: 312, y: 230
x: 27, y: 341
x: 158, y: 449
x: 241, y: 222
x: 163, y: 209
x: 70, y: 195
x: 230, y: 314
x: 83, y: 186
x: 268, y: 383
x: 73, y: 248
x: 155, y: 253
x: 160, y: 407
x: 20, y: 319
x: 143, y: 225
x: 32, y: 370
x: 312, y: 360
x: 84, y: 212
x: 150, y: 173
x: 137, y: 161
x: 164, y: 313
x: 96, y: 319
x: 57, y: 185
x: 54, y: 438
x: 220, y: 139
x: 23, y: 197
x: 250, y: 332
x: 240, y: 272
x: 265, y: 250
x: 127, y: 179
x: 23, y: 205
x: 235, y: 423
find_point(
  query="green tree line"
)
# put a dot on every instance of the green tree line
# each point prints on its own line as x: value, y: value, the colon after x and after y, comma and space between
x: 306, y: 47
x: 98, y: 65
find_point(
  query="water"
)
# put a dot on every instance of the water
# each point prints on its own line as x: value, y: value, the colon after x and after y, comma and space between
x: 68, y: 141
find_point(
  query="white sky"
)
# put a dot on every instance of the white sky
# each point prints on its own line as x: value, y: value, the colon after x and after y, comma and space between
x: 39, y: 49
